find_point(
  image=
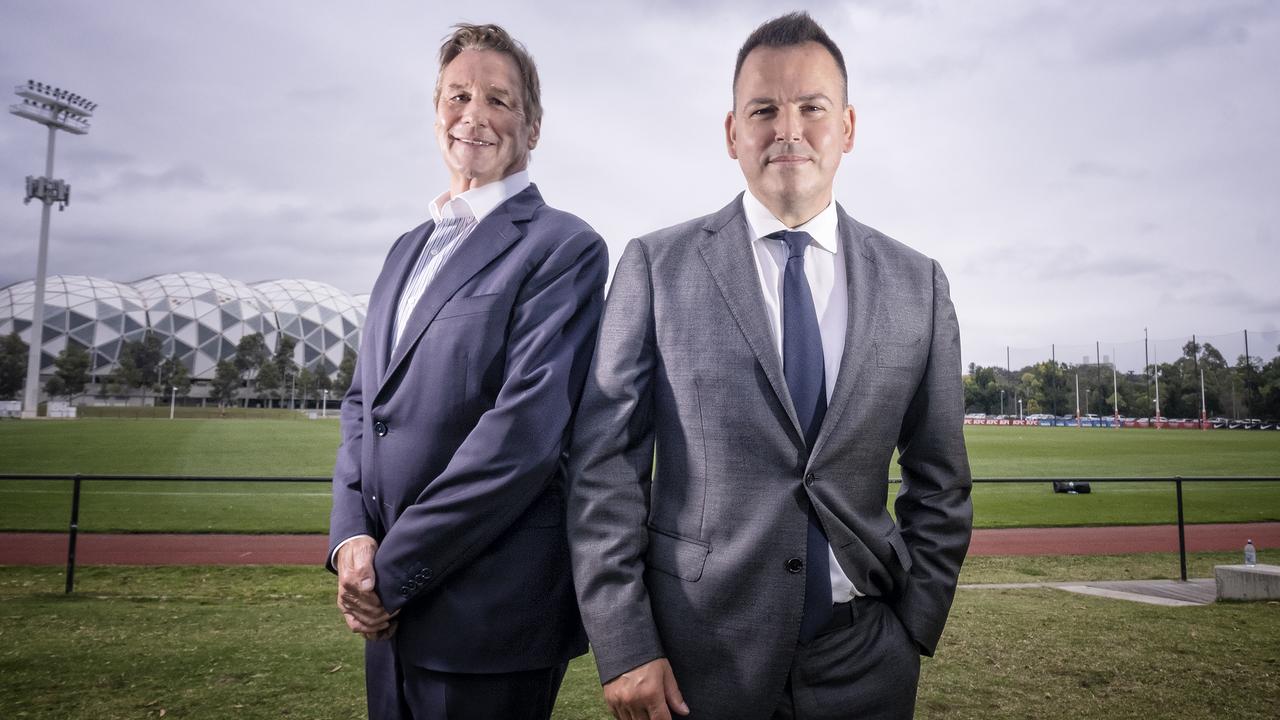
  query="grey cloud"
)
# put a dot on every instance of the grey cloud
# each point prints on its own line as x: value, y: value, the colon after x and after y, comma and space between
x: 1092, y: 169
x: 179, y: 177
x: 1171, y: 30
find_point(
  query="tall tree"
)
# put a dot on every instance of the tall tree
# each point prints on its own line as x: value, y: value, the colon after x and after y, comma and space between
x: 71, y: 372
x: 226, y: 381
x: 346, y: 372
x: 285, y: 364
x: 304, y: 382
x: 173, y: 374
x: 251, y: 353
x: 13, y: 365
x: 268, y: 382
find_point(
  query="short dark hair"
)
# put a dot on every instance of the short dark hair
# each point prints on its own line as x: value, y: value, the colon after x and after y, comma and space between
x: 493, y: 37
x: 791, y: 29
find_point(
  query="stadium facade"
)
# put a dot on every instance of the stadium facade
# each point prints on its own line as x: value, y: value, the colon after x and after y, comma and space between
x: 199, y: 317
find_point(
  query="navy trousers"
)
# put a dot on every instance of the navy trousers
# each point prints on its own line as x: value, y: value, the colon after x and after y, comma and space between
x: 400, y: 691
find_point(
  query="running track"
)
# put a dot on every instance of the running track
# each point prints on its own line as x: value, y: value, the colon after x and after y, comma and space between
x: 156, y: 549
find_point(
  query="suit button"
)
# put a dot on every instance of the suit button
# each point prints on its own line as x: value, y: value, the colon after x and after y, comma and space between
x: 810, y: 479
x: 426, y: 573
x: 404, y: 591
x: 795, y: 565
x: 380, y: 428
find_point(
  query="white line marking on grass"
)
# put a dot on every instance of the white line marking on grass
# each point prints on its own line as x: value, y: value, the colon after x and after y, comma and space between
x: 161, y: 492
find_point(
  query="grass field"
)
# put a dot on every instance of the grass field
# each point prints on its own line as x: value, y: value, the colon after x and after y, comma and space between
x: 265, y: 642
x: 289, y: 448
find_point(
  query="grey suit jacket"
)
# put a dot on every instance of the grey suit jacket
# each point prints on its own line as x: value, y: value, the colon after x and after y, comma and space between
x: 690, y: 478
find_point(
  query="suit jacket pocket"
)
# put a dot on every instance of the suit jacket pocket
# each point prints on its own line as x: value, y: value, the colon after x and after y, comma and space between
x: 472, y: 305
x: 676, y: 556
x: 900, y: 548
x: 897, y: 354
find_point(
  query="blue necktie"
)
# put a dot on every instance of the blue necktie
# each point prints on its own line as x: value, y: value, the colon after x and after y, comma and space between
x: 805, y: 371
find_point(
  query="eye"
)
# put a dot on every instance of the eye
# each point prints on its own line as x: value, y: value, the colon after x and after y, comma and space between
x: 812, y: 108
x: 497, y: 101
x: 764, y: 111
x: 460, y: 97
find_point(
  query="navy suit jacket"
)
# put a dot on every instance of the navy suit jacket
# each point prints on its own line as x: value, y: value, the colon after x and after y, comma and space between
x: 453, y: 441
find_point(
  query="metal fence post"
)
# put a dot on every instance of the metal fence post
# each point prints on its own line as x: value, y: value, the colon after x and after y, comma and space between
x: 1182, y: 534
x: 71, y: 535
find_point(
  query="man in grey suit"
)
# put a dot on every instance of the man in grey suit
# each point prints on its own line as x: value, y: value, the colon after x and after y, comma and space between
x: 447, y: 530
x: 756, y: 368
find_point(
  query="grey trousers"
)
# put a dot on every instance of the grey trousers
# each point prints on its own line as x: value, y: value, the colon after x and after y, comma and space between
x: 867, y: 669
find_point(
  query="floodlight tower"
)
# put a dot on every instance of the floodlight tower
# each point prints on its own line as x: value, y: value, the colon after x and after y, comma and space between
x: 56, y: 109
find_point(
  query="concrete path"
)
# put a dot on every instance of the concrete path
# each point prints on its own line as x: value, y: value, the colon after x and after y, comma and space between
x: 1169, y: 593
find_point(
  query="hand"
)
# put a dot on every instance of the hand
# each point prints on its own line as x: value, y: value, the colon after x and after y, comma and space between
x: 360, y: 605
x: 648, y: 692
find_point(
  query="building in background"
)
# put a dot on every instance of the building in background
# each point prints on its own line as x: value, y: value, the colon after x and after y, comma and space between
x: 199, y: 318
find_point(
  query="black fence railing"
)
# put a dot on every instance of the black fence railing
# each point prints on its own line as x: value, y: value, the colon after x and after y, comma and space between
x: 1066, y: 482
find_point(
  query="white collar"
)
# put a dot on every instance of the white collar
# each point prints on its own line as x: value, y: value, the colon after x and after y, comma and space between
x: 479, y: 201
x: 821, y: 227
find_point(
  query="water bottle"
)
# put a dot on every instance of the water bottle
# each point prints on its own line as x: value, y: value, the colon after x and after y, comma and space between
x: 1250, y: 553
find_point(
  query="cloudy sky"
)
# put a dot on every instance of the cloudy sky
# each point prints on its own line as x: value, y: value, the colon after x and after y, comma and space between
x: 1082, y: 170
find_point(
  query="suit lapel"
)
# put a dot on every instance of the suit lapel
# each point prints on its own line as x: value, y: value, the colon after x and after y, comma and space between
x: 726, y: 249
x: 490, y: 239
x: 382, y: 304
x: 860, y: 275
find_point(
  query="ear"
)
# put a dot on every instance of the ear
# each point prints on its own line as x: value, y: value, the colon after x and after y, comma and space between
x: 535, y: 132
x: 849, y: 118
x: 730, y: 136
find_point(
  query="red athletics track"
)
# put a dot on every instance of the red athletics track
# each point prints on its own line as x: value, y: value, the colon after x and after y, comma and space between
x: 156, y: 549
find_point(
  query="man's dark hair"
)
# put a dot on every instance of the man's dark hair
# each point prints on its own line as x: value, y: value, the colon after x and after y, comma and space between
x: 791, y: 29
x: 493, y: 37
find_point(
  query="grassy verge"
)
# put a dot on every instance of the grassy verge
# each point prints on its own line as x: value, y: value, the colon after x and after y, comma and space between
x: 265, y: 642
x: 268, y: 447
x: 1071, y: 568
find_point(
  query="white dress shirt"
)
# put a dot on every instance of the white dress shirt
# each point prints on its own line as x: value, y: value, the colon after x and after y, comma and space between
x: 476, y: 203
x: 825, y: 271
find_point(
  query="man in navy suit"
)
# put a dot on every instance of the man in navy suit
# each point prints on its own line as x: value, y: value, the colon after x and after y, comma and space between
x: 447, y: 531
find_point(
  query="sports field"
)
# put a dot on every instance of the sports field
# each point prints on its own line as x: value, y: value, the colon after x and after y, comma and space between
x: 291, y: 448
x: 306, y: 449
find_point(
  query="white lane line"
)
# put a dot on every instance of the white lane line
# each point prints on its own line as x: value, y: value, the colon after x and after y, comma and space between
x: 134, y: 492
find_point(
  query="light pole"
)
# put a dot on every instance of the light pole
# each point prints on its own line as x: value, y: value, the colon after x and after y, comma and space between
x: 324, y: 409
x: 56, y: 109
x: 1001, y: 403
x: 173, y: 399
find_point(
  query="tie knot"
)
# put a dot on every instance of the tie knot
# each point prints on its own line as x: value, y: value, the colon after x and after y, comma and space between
x: 795, y: 240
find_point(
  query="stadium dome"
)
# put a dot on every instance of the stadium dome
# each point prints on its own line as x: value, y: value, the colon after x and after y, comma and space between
x: 323, y: 319
x: 201, y: 317
x: 96, y: 314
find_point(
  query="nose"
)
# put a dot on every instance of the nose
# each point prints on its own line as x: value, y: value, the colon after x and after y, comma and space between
x: 786, y: 127
x: 475, y: 113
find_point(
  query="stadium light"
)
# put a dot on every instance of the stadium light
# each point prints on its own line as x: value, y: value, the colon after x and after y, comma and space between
x: 56, y: 109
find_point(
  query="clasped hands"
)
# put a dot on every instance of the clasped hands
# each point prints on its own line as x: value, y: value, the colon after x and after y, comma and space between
x: 647, y: 692
x: 360, y: 605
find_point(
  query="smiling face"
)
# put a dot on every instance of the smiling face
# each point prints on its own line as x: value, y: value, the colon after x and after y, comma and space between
x: 481, y: 126
x: 789, y: 127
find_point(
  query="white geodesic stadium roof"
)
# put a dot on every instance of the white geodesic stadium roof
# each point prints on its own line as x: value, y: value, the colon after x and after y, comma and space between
x: 96, y: 314
x: 323, y: 319
x: 201, y: 317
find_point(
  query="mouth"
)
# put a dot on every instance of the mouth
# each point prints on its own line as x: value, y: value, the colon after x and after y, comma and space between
x: 788, y: 160
x: 473, y: 142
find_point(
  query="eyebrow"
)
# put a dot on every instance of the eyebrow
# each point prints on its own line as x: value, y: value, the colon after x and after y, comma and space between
x: 803, y: 98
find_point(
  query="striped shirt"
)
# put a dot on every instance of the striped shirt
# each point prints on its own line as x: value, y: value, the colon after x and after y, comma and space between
x: 455, y: 219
